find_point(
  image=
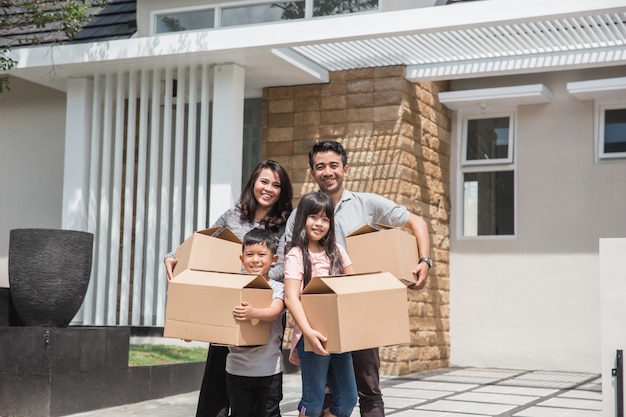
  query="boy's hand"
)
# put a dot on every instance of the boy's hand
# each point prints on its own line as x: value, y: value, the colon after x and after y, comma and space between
x: 244, y: 312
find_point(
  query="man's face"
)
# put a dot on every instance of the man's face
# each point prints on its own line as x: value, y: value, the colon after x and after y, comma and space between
x: 328, y: 171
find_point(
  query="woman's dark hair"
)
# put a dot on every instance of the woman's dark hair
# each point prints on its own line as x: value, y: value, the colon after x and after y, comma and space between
x: 328, y: 145
x: 282, y: 209
x: 315, y: 203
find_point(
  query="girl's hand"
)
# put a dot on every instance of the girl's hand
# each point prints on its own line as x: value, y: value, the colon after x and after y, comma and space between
x: 244, y: 312
x: 317, y: 341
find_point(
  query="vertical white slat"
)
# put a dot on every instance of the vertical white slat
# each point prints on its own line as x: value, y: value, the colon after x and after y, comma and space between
x: 179, y: 138
x: 116, y: 202
x: 129, y: 187
x: 203, y: 150
x: 150, y: 276
x: 94, y: 194
x: 166, y: 160
x: 105, y: 203
x: 190, y: 174
x: 140, y: 205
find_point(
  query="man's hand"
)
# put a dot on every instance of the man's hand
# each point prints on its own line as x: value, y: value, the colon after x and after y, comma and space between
x: 170, y: 263
x: 421, y: 272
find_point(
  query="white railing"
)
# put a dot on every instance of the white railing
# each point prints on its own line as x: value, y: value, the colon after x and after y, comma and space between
x: 148, y: 184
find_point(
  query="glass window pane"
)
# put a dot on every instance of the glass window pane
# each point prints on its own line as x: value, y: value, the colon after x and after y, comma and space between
x: 615, y: 131
x: 487, y: 139
x: 262, y: 13
x: 192, y: 20
x: 331, y: 7
x: 488, y: 203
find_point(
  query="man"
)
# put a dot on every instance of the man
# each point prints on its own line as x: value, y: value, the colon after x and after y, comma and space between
x: 328, y: 162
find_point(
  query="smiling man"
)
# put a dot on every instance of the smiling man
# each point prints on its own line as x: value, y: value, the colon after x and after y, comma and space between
x: 328, y: 162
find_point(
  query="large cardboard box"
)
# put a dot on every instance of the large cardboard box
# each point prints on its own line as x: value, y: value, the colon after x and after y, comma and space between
x: 200, y: 305
x: 384, y: 248
x: 358, y: 311
x: 206, y: 250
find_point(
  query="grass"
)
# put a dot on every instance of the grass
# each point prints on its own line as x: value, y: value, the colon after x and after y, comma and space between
x: 149, y: 354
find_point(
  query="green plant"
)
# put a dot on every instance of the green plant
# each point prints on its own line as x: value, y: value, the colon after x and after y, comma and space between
x: 149, y: 354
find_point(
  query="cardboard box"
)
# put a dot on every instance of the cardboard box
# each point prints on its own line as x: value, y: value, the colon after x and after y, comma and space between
x: 200, y: 305
x: 203, y: 251
x: 384, y: 248
x: 358, y: 311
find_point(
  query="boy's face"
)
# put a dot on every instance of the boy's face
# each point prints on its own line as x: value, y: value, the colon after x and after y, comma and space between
x: 257, y: 259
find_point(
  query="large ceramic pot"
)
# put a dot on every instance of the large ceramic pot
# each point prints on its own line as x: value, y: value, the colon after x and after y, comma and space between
x: 49, y: 272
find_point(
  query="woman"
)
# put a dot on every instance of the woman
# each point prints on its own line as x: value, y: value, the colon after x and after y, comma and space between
x: 265, y: 202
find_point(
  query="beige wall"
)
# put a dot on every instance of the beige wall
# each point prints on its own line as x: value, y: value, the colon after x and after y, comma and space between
x: 32, y: 134
x: 533, y: 301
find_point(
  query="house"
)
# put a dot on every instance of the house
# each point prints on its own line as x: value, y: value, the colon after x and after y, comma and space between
x: 502, y: 123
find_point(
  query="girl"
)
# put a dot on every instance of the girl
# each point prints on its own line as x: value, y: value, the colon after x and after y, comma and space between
x: 313, y: 252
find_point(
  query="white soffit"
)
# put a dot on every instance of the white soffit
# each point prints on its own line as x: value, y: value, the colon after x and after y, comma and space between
x: 598, y: 89
x: 503, y: 97
x: 526, y: 44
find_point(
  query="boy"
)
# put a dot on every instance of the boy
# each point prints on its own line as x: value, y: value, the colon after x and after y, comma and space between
x: 254, y: 379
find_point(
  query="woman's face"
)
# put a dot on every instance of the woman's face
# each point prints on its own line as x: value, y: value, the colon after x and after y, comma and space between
x: 267, y: 188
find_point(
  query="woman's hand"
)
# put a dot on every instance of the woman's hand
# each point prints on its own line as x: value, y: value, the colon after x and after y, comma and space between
x: 170, y: 263
x: 317, y: 341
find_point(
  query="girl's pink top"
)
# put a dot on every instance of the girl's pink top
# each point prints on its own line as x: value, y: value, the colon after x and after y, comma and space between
x: 294, y: 269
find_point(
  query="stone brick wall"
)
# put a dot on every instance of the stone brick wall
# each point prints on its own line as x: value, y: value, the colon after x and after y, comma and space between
x: 398, y: 140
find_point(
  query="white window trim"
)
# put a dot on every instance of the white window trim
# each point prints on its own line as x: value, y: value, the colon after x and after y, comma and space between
x: 607, y: 93
x: 462, y: 117
x: 218, y: 7
x: 487, y: 162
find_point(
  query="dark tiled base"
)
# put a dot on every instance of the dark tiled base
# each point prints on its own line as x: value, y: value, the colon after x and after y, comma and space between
x: 48, y: 371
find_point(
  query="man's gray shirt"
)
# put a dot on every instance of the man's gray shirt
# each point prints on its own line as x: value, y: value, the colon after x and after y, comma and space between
x: 356, y: 209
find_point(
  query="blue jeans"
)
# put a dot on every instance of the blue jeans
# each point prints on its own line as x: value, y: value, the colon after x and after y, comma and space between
x: 335, y: 368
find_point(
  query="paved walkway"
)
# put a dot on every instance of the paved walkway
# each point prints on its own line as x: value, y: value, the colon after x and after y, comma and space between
x: 447, y: 392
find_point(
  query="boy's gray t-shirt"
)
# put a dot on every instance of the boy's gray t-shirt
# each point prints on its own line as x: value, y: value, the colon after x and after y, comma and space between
x: 266, y: 360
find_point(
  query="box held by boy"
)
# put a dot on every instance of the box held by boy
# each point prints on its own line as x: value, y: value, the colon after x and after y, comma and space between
x: 213, y: 249
x: 200, y: 307
x: 384, y: 248
x: 357, y: 311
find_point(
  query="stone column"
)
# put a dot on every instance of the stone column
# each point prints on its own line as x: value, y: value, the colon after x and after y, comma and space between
x: 398, y: 140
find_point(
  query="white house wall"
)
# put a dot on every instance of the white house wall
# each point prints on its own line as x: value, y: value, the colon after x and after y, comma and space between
x: 533, y: 301
x: 32, y: 120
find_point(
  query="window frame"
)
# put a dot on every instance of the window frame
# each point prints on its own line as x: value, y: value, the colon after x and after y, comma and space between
x: 481, y: 162
x: 600, y: 107
x: 487, y: 166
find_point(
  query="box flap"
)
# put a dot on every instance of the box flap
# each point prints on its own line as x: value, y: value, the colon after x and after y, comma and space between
x: 369, y: 228
x: 219, y: 232
x: 221, y: 279
x: 348, y: 284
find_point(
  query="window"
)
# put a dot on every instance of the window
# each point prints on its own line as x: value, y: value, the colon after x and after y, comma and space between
x: 609, y: 95
x: 191, y: 20
x: 612, y: 131
x: 254, y: 12
x: 487, y: 175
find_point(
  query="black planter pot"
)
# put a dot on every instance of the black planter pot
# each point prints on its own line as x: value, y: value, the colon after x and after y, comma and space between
x: 49, y: 271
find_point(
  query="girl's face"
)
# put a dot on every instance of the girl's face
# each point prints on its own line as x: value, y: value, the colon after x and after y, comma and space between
x: 267, y: 188
x: 317, y: 226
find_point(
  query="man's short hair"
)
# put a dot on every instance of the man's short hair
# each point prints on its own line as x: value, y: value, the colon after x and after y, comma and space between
x: 328, y: 145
